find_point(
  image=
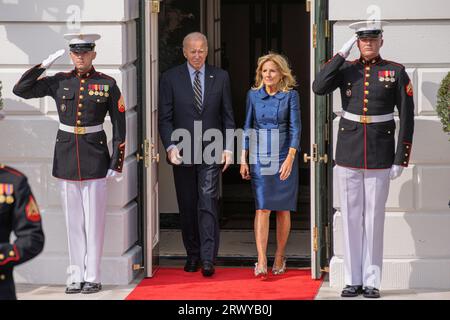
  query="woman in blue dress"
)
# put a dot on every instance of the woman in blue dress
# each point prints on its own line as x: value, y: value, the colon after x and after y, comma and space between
x: 271, y: 141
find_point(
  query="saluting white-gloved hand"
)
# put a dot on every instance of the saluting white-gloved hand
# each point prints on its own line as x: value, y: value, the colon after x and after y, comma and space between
x: 52, y: 58
x: 395, y: 171
x: 112, y: 173
x: 347, y: 47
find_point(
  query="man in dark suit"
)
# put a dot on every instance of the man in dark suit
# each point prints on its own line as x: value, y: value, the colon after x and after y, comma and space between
x: 194, y: 98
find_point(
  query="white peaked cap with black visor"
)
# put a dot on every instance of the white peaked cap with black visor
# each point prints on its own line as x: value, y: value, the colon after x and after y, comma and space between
x: 369, y: 28
x: 82, y: 42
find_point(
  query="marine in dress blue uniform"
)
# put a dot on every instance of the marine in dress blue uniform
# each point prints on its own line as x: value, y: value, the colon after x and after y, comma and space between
x: 366, y: 156
x: 81, y: 158
x: 19, y: 214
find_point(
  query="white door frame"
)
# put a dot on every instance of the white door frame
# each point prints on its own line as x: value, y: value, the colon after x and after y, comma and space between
x: 314, y: 256
x: 151, y: 158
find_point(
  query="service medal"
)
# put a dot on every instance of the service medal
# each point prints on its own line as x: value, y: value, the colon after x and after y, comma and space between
x: 381, y: 79
x: 2, y: 196
x: 96, y: 93
x: 101, y: 93
x: 392, y: 75
x: 91, y: 93
x: 106, y: 94
x: 9, y: 190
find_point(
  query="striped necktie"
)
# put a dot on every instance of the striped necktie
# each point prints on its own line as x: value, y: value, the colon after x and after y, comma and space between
x: 198, y: 91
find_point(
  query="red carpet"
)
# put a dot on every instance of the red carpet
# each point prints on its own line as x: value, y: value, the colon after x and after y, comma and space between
x: 226, y: 284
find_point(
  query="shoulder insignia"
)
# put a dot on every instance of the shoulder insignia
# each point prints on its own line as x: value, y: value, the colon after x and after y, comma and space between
x: 32, y: 210
x: 409, y: 89
x: 121, y: 104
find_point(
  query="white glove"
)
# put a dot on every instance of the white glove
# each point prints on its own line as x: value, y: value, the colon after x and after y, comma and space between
x: 395, y: 171
x: 112, y: 173
x: 174, y: 156
x: 52, y: 58
x: 347, y: 47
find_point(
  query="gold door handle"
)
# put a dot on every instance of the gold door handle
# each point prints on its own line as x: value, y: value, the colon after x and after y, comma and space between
x: 306, y: 158
x: 139, y: 157
x: 324, y: 158
x: 156, y: 158
x: 313, y: 157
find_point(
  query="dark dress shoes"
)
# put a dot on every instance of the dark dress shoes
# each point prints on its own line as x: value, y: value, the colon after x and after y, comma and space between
x: 191, y: 266
x: 74, y: 287
x: 351, y: 291
x: 371, y: 292
x: 208, y: 269
x: 91, y: 287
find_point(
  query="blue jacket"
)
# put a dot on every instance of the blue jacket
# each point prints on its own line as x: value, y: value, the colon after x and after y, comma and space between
x: 281, y: 111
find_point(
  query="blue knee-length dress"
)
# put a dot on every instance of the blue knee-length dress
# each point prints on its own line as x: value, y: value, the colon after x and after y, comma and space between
x: 272, y: 126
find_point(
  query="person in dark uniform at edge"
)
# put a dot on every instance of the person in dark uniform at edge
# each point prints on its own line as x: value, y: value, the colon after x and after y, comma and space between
x: 366, y: 157
x: 19, y: 214
x: 82, y: 161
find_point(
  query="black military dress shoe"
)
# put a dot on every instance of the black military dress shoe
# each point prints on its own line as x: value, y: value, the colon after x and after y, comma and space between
x: 208, y: 269
x: 351, y: 291
x: 74, y: 287
x: 371, y: 292
x: 191, y: 266
x: 91, y: 287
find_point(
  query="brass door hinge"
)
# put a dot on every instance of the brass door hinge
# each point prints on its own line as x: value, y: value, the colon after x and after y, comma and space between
x: 314, y: 36
x: 327, y: 29
x: 308, y: 5
x: 316, y: 239
x: 155, y: 6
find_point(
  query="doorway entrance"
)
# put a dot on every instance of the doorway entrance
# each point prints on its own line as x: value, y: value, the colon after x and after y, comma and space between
x: 250, y: 29
x: 240, y: 31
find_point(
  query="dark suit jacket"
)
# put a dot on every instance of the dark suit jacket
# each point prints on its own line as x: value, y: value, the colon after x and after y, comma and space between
x: 177, y: 109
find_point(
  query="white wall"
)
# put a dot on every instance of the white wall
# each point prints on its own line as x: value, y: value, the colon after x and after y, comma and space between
x: 416, y: 250
x: 29, y: 31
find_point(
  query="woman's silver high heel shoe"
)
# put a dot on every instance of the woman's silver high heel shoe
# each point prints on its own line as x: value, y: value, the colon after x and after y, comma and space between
x: 278, y: 271
x: 260, y: 272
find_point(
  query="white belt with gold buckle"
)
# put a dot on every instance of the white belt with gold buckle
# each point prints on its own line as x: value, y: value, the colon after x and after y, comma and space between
x: 367, y: 119
x: 80, y: 130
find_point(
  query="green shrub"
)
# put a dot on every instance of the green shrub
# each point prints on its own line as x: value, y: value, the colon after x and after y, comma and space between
x: 443, y: 103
